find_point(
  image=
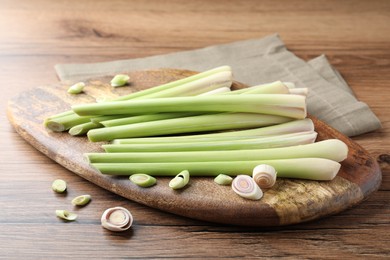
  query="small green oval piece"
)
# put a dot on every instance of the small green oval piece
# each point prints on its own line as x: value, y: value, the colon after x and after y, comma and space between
x: 66, y: 215
x: 119, y: 80
x: 58, y: 186
x: 143, y: 180
x: 81, y: 200
x: 223, y: 179
x: 76, y: 88
x: 180, y: 180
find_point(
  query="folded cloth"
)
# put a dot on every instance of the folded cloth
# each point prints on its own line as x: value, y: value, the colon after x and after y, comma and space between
x: 254, y: 62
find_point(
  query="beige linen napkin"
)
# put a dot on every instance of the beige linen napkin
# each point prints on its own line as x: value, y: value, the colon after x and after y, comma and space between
x: 254, y: 62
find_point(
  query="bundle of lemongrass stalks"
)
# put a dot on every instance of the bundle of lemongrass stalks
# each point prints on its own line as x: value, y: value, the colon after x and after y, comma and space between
x: 161, y: 131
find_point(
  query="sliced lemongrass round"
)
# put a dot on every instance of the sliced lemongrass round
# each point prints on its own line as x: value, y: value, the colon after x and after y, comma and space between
x: 81, y: 200
x: 119, y: 80
x: 180, y: 180
x: 246, y: 187
x: 76, y: 88
x: 117, y: 219
x: 223, y: 179
x: 66, y: 215
x: 58, y: 186
x: 143, y: 180
x: 264, y: 175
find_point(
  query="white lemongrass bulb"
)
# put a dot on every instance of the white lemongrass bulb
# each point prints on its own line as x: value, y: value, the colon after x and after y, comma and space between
x: 246, y: 187
x: 264, y: 175
x: 117, y: 219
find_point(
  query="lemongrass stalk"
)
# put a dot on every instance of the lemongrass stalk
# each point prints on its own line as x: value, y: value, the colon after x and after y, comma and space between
x: 63, y: 123
x: 70, y: 119
x: 275, y: 104
x: 115, y: 120
x: 276, y: 87
x: 289, y: 85
x: 296, y: 126
x: 144, y: 118
x: 256, y: 143
x: 272, y: 88
x: 299, y: 91
x: 174, y: 84
x: 191, y: 124
x: 99, y: 119
x: 216, y: 91
x: 206, y: 84
x: 82, y: 129
x: 332, y: 149
x: 301, y: 168
x: 66, y: 113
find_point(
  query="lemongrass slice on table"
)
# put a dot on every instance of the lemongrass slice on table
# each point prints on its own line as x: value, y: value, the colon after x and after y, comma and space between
x: 246, y: 187
x: 143, y: 180
x: 66, y: 215
x: 59, y: 186
x: 223, y: 179
x: 119, y: 80
x: 117, y: 219
x: 81, y: 200
x: 264, y: 175
x: 76, y: 88
x: 180, y: 180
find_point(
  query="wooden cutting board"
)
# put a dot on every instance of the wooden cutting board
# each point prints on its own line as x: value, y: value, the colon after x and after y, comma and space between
x: 288, y: 202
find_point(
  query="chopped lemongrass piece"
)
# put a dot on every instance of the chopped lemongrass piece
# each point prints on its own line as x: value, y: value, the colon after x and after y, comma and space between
x: 191, y: 124
x: 180, y: 180
x: 117, y: 219
x: 143, y: 180
x: 66, y: 215
x: 81, y: 200
x: 120, y: 80
x: 223, y: 179
x: 302, y: 168
x: 76, y: 88
x: 204, y: 145
x: 296, y: 126
x: 332, y: 149
x: 246, y: 187
x: 264, y: 175
x: 299, y: 91
x: 287, y: 105
x: 58, y: 186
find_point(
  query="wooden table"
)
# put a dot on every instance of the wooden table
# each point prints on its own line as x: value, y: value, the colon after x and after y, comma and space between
x: 36, y: 35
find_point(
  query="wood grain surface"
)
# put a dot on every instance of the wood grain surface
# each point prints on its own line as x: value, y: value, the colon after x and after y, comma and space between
x: 36, y: 35
x: 289, y: 201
